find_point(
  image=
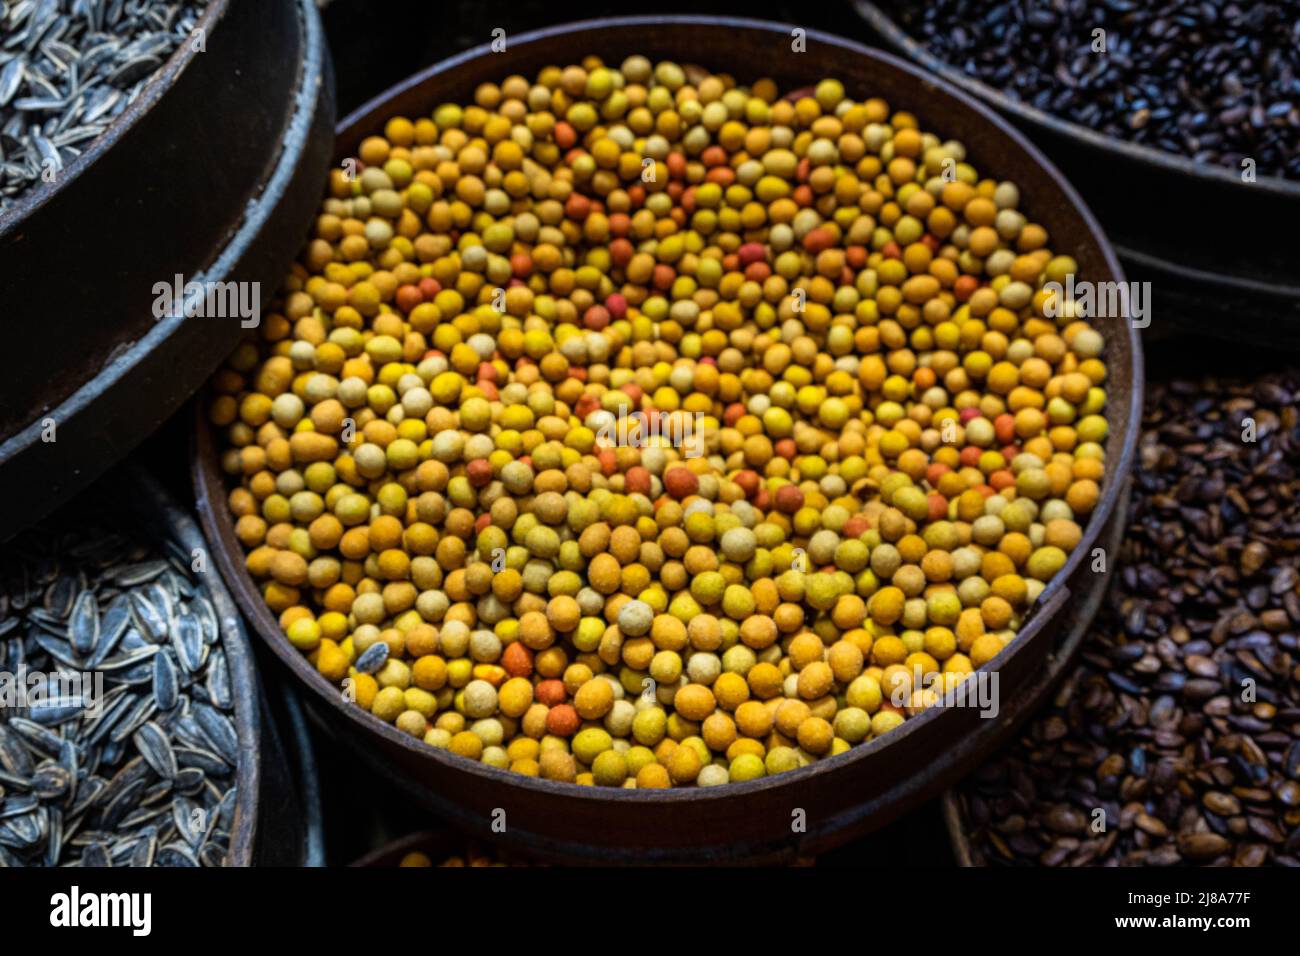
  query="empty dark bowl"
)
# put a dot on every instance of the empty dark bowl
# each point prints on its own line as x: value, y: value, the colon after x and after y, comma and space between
x: 835, y: 799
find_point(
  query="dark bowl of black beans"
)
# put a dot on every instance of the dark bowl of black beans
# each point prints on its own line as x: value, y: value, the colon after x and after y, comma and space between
x: 1178, y: 122
x: 144, y: 207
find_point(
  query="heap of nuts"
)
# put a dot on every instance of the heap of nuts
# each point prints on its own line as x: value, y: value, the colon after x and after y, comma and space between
x: 634, y: 427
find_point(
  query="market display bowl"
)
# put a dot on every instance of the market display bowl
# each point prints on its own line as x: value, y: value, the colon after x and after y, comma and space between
x: 809, y: 810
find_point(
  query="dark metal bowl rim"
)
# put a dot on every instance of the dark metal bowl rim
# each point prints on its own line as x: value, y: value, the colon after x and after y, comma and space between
x: 257, y: 214
x: 428, y: 842
x: 1053, y: 596
x: 1193, y: 276
x: 153, y: 91
x: 891, y: 30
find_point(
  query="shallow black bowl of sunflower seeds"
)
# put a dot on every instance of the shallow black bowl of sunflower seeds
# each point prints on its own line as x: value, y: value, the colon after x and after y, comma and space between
x: 145, y: 147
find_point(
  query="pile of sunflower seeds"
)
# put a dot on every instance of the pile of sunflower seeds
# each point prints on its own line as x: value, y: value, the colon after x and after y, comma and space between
x: 138, y: 767
x: 68, y: 68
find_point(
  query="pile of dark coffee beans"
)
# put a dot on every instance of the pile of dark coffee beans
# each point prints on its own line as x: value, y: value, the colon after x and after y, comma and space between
x: 1177, y: 739
x: 1218, y: 82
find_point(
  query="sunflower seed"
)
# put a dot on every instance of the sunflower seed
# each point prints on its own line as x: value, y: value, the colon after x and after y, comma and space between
x: 129, y: 659
x: 51, y: 715
x: 132, y: 640
x: 213, y: 853
x: 225, y: 815
x: 220, y: 693
x: 68, y: 760
x: 207, y: 615
x: 88, y: 795
x: 188, y: 780
x: 175, y: 854
x: 204, y: 761
x: 83, y: 628
x: 37, y: 737
x: 145, y: 707
x: 166, y: 688
x: 11, y: 77
x: 54, y: 838
x: 85, y: 838
x: 134, y: 575
x: 156, y: 750
x: 151, y: 621
x: 21, y: 832
x: 19, y: 805
x: 218, y: 728
x: 40, y: 104
x: 61, y: 595
x: 113, y: 626
x: 192, y: 821
x: 100, y: 727
x: 96, y: 855
x: 59, y: 649
x: 373, y: 658
x: 13, y: 755
x: 120, y: 805
x: 153, y: 800
x: 187, y: 639
x: 50, y: 781
x: 142, y: 855
x: 111, y: 753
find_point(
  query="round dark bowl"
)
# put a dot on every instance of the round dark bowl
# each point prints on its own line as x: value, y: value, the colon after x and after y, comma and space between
x: 211, y: 174
x: 840, y: 797
x: 1175, y: 223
